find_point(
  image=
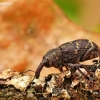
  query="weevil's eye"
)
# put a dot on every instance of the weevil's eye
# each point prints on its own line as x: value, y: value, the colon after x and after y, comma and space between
x: 46, y: 63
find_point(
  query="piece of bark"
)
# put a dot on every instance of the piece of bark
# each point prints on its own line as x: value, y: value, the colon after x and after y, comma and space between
x: 68, y: 85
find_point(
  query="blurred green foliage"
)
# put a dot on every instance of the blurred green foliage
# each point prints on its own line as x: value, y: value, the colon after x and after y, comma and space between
x: 96, y: 28
x: 71, y: 8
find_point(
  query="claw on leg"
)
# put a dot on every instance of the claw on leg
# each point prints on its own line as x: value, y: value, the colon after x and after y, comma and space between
x: 61, y: 69
x: 96, y: 61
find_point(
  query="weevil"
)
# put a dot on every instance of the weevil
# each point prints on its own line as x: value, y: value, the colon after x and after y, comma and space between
x: 69, y: 55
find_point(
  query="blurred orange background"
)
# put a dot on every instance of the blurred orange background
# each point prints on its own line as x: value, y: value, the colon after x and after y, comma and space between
x: 29, y: 28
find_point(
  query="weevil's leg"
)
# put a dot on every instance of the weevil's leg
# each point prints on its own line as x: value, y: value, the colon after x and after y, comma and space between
x: 87, y: 70
x: 89, y: 52
x: 77, y: 66
x: 72, y: 66
x: 83, y: 73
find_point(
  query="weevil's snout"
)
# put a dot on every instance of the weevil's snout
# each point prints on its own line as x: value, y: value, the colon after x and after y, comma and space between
x: 41, y: 65
x: 37, y: 75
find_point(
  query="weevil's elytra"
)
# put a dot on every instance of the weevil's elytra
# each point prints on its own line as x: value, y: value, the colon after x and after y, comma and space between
x: 69, y: 54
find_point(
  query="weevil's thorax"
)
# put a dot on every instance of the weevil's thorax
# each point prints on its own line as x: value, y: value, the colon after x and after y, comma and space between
x: 54, y: 58
x: 74, y: 51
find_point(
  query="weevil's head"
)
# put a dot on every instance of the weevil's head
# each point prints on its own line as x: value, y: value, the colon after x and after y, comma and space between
x: 53, y: 58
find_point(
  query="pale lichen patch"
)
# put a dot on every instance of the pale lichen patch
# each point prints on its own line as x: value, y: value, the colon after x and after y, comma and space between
x: 8, y: 73
x: 39, y: 82
x: 97, y: 73
x: 74, y: 83
x: 20, y: 82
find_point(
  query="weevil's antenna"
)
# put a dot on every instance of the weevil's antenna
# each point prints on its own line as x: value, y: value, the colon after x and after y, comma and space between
x: 27, y: 71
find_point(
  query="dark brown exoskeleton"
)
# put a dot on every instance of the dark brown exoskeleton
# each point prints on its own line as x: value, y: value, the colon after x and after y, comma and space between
x: 69, y: 55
